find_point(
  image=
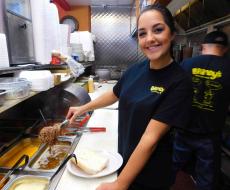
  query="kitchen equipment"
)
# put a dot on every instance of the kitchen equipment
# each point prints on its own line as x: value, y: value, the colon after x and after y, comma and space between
x: 20, y: 39
x: 43, y: 117
x: 28, y: 146
x: 50, y: 158
x: 16, y: 87
x: 54, y: 104
x: 12, y: 130
x: 40, y: 80
x: 62, y: 165
x: 28, y: 182
x: 2, y: 96
x: 64, y: 123
x: 104, y: 74
x: 36, y: 181
x: 78, y: 91
x: 81, y: 120
x: 77, y: 52
x: 85, y: 129
x: 15, y: 166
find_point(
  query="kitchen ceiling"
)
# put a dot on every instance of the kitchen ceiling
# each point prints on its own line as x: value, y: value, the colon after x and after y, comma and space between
x: 99, y: 2
x: 200, y: 12
x: 188, y: 13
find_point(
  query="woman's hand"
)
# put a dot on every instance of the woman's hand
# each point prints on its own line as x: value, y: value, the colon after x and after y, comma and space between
x: 73, y: 113
x: 111, y: 186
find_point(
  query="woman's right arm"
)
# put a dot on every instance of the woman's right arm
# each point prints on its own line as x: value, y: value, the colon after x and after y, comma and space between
x: 105, y: 99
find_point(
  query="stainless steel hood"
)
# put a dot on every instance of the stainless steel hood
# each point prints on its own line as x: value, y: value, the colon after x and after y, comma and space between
x: 196, y: 13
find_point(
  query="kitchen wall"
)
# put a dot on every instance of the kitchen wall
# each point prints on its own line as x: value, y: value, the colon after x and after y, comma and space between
x: 81, y: 13
x: 114, y: 48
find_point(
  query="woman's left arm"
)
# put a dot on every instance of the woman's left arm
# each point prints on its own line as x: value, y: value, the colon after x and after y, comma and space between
x: 148, y: 143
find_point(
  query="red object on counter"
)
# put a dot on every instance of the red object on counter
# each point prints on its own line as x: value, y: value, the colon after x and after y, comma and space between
x: 55, y: 60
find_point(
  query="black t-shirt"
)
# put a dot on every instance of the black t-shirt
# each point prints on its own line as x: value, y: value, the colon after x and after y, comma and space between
x: 146, y: 94
x: 211, y: 87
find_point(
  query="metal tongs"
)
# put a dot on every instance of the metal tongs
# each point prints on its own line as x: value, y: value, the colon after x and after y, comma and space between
x: 75, y: 131
x: 15, y: 167
x: 61, y: 167
x: 64, y: 123
x: 81, y: 120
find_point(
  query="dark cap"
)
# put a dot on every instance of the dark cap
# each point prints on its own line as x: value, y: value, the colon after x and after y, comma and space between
x: 216, y: 37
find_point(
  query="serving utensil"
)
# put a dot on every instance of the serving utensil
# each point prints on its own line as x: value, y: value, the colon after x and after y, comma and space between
x: 64, y: 123
x: 14, y: 168
x: 75, y: 131
x: 81, y: 120
x: 61, y: 167
x: 43, y: 118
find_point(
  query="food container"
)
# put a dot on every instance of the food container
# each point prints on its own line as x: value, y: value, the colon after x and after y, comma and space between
x: 2, y: 185
x: 49, y: 158
x: 27, y: 146
x: 40, y: 80
x: 28, y: 182
x: 104, y: 74
x: 19, y: 165
x: 2, y: 96
x: 15, y: 87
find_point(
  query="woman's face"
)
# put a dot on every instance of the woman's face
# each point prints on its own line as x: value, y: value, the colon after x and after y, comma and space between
x: 154, y: 35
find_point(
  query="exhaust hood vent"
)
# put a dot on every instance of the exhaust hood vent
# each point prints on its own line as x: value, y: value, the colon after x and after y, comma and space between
x: 201, y: 12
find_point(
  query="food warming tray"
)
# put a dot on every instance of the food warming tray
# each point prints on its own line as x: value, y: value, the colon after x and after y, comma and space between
x: 48, y: 160
x: 1, y: 176
x: 42, y: 181
x: 28, y: 146
x: 28, y: 182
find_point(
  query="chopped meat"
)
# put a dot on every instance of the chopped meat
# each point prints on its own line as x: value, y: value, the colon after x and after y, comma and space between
x: 49, y: 134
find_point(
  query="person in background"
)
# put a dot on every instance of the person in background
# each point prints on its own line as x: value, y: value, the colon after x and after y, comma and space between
x: 153, y: 97
x: 201, y: 139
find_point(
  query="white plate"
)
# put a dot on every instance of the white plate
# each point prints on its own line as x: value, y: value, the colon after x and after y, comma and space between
x: 115, y: 162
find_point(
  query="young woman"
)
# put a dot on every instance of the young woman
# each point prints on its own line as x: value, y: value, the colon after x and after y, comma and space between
x: 153, y: 97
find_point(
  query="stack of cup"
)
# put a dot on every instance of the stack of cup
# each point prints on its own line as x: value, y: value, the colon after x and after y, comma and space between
x: 77, y: 52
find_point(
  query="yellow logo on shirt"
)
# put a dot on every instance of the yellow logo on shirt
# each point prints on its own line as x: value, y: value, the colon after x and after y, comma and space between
x: 208, y: 74
x: 157, y: 89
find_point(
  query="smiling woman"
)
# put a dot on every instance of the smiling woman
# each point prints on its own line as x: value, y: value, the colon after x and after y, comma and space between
x: 150, y: 94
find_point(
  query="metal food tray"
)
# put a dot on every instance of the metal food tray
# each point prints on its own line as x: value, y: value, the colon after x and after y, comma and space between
x: 41, y: 173
x: 38, y: 155
x: 16, y: 148
x: 1, y: 176
x: 16, y: 180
